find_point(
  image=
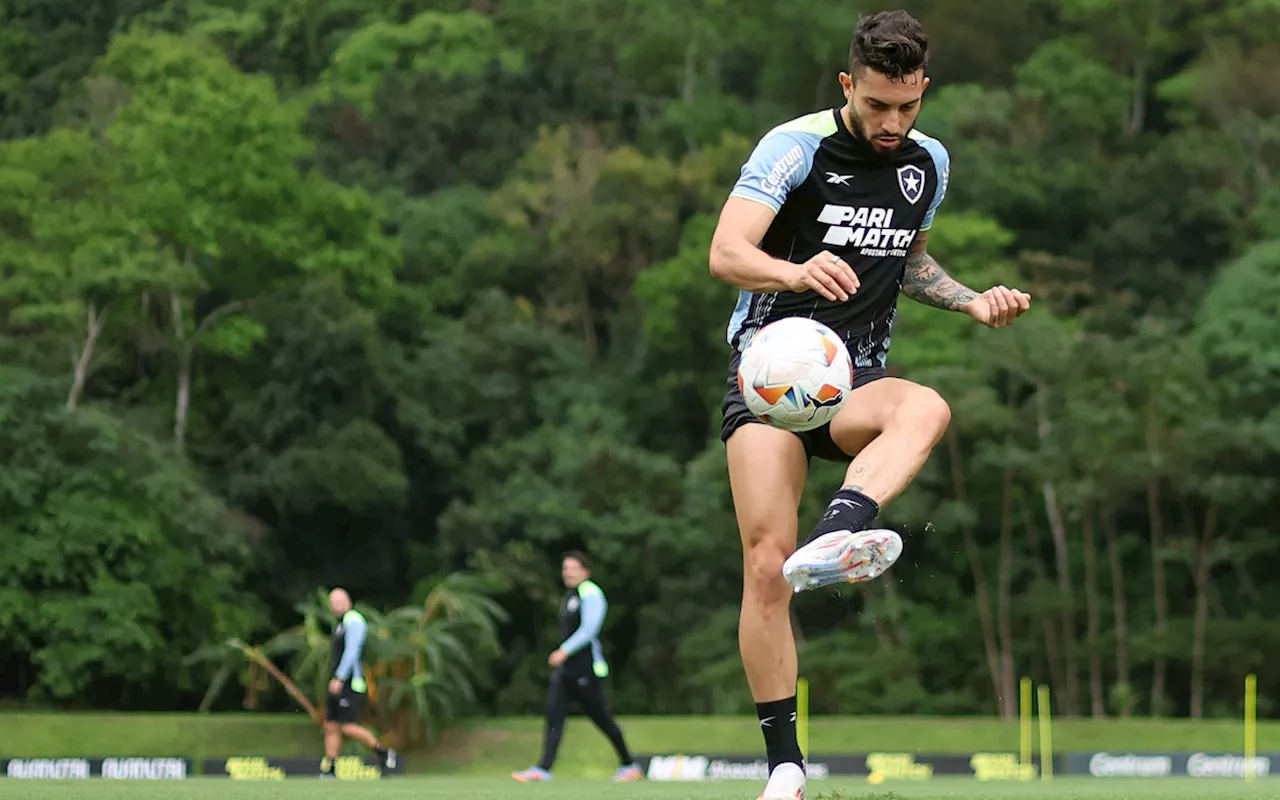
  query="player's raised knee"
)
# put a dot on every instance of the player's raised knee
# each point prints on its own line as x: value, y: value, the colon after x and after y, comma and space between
x: 927, y: 410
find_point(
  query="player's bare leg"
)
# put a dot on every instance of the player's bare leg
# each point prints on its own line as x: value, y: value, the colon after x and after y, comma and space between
x: 332, y: 746
x: 892, y: 426
x: 361, y: 734
x: 767, y: 469
x: 367, y: 738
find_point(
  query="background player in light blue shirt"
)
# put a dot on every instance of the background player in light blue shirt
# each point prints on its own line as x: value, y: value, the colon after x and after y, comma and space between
x: 347, y: 687
x: 579, y: 671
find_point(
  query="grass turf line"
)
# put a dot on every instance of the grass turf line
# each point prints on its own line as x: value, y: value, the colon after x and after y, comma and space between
x: 495, y: 747
x: 426, y: 788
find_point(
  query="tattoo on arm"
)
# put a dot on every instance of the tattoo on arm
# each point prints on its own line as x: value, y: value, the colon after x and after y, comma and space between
x: 926, y: 282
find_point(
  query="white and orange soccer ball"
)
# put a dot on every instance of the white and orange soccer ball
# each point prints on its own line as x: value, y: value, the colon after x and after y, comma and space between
x: 795, y: 374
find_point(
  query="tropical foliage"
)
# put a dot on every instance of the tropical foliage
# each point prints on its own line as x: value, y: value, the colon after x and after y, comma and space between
x: 373, y: 293
x: 423, y: 663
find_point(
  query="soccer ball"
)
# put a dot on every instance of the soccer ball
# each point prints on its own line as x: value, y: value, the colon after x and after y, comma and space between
x: 795, y: 374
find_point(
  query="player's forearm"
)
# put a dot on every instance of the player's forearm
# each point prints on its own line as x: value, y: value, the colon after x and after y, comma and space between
x: 588, y: 629
x: 742, y: 264
x: 350, y: 653
x: 926, y: 282
x: 346, y: 667
x: 580, y: 638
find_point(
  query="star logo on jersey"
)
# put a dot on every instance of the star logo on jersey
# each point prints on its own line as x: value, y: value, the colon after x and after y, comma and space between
x: 838, y: 179
x: 911, y: 182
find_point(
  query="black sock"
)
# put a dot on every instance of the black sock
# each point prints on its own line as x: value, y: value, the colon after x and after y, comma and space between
x: 778, y: 723
x: 379, y: 749
x: 849, y: 510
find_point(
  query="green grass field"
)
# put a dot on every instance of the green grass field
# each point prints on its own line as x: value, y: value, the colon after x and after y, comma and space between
x: 492, y: 789
x: 496, y: 746
x: 493, y: 746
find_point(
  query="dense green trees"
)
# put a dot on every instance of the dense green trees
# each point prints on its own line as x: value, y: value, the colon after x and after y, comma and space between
x: 296, y: 294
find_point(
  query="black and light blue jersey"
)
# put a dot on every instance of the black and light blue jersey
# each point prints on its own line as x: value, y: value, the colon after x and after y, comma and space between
x: 347, y: 646
x: 581, y: 620
x: 831, y: 191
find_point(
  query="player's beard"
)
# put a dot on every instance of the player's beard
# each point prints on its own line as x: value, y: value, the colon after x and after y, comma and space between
x: 859, y: 130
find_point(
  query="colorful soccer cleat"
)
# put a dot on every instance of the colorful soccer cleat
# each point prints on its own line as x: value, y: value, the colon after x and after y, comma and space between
x: 531, y: 775
x: 627, y: 774
x: 842, y: 557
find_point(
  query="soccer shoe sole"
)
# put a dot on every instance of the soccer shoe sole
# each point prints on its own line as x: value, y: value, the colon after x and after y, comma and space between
x: 842, y: 557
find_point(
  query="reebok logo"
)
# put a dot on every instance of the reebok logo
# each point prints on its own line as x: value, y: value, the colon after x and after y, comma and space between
x: 836, y: 504
x: 869, y: 229
x: 838, y: 179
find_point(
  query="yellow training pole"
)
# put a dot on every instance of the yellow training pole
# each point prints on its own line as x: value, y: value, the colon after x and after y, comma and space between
x: 1046, y: 735
x: 802, y: 716
x: 1024, y: 717
x: 1250, y: 724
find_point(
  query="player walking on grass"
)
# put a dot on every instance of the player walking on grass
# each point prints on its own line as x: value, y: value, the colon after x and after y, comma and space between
x: 347, y: 687
x: 829, y: 219
x: 579, y: 672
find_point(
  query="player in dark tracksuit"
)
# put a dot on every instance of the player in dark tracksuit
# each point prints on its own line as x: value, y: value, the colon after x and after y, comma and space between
x: 347, y: 687
x: 579, y: 672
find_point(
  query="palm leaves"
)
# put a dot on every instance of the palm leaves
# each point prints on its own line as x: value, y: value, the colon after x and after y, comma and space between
x: 422, y: 662
x: 426, y: 659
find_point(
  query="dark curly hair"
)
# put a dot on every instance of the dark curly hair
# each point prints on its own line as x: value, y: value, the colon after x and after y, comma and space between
x: 576, y: 555
x: 892, y: 43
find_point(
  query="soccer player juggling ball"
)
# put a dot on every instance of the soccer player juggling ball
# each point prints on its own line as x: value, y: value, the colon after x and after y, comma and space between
x: 830, y: 219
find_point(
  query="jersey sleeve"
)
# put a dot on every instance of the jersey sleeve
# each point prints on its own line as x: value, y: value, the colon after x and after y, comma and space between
x: 354, y: 629
x: 942, y: 163
x: 592, y: 614
x: 779, y: 164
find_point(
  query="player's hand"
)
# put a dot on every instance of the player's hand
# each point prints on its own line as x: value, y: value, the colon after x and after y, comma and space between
x: 557, y: 658
x: 335, y: 686
x: 998, y: 306
x: 827, y: 274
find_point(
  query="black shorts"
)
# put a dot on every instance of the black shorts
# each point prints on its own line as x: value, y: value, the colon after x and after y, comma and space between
x: 343, y: 707
x: 817, y: 442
